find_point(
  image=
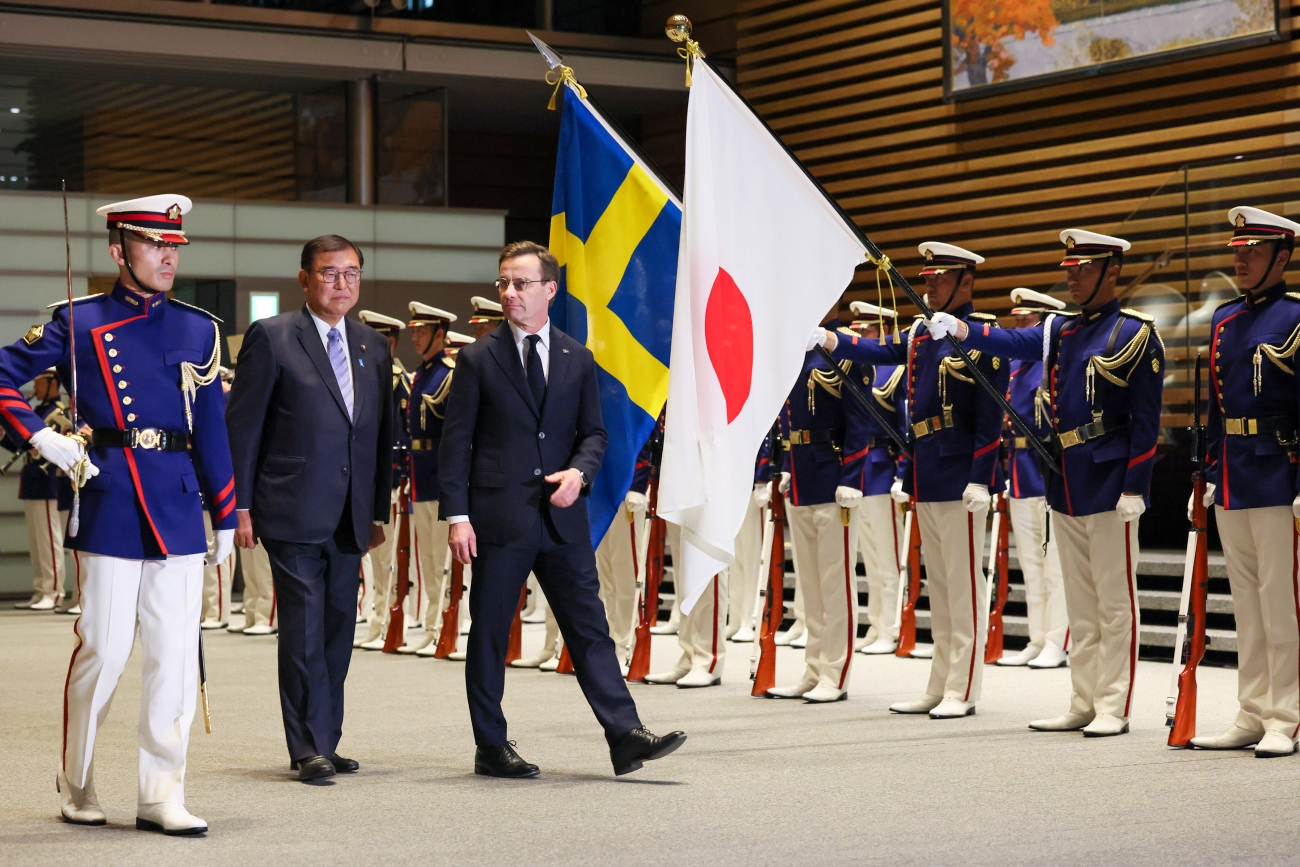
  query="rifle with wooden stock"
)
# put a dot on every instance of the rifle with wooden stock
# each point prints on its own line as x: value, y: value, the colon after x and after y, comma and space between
x: 1189, y: 644
x: 910, y: 579
x: 397, y: 611
x: 1001, y: 540
x: 648, y: 611
x: 450, y: 631
x: 774, y: 601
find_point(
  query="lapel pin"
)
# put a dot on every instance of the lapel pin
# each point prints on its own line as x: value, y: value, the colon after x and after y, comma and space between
x: 565, y: 351
x: 361, y: 361
x: 363, y: 347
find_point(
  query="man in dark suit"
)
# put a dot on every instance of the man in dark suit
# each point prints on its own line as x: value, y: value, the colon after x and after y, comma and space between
x: 521, y: 441
x: 310, y: 424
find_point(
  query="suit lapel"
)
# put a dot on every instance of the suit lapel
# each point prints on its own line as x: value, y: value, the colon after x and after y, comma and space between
x: 561, y: 358
x: 504, y: 351
x: 309, y: 337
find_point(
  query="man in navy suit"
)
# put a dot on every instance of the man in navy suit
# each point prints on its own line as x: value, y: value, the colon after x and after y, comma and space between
x: 522, y: 439
x: 310, y: 421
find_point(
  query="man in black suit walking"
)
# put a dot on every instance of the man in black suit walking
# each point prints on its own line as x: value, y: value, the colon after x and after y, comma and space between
x: 521, y: 441
x: 310, y: 425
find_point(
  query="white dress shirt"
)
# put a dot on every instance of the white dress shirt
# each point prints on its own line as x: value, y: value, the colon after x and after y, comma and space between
x: 543, y: 347
x: 323, y: 328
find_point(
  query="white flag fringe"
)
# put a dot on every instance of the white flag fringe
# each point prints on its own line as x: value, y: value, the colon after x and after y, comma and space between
x: 763, y: 257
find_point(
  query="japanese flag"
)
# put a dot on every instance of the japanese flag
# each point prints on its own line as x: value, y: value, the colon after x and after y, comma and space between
x: 763, y: 256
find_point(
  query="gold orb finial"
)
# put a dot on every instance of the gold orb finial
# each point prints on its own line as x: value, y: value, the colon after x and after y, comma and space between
x: 678, y: 28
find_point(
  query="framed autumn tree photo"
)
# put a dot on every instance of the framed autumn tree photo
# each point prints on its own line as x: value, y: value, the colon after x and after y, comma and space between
x: 995, y: 45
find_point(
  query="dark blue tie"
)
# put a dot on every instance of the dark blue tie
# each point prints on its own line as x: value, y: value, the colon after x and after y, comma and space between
x: 533, y: 365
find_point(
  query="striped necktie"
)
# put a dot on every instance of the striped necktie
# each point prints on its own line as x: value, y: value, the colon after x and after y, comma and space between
x: 339, y: 362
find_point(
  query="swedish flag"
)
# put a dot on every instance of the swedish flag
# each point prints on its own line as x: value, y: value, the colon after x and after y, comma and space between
x: 615, y: 228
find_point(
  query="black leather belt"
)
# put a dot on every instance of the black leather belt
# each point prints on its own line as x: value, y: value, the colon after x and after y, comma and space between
x: 140, y: 438
x: 424, y: 445
x: 1244, y: 427
x: 808, y: 437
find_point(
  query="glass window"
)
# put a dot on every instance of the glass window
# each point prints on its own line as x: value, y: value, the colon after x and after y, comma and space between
x: 263, y: 305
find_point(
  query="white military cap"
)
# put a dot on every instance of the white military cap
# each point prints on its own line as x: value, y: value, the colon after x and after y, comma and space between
x: 1252, y: 225
x: 456, y: 339
x: 423, y: 314
x: 157, y: 218
x: 1082, y: 246
x: 862, y: 308
x: 1029, y: 301
x: 485, y: 310
x: 941, y: 258
x: 380, y: 322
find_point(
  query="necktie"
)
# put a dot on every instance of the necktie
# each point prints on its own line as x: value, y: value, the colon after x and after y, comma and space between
x: 339, y: 362
x: 533, y: 366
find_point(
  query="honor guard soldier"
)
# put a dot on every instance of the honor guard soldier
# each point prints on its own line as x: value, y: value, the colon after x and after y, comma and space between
x: 820, y: 471
x: 430, y: 386
x: 261, y: 614
x: 879, y: 529
x: 456, y: 342
x: 487, y: 315
x: 1027, y: 500
x: 743, y: 577
x: 616, y: 559
x: 38, y: 489
x: 1252, y: 478
x: 957, y: 433
x: 383, y: 567
x: 1103, y: 370
x: 149, y: 390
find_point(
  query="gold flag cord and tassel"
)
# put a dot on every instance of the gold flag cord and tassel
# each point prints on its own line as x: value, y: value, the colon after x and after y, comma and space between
x: 562, y: 76
x: 678, y: 29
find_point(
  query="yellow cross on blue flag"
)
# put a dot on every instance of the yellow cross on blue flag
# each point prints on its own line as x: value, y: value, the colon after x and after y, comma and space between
x: 615, y: 228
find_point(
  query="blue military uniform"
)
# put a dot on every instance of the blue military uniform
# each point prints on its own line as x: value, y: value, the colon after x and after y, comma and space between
x: 426, y: 406
x: 826, y: 449
x: 149, y: 386
x: 1104, y: 382
x: 957, y: 433
x: 1252, y: 444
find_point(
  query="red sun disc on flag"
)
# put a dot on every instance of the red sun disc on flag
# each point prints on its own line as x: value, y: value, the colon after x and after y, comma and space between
x: 729, y: 336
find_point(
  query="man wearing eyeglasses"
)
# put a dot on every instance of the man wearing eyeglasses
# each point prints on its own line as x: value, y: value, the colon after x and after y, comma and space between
x: 522, y: 438
x: 310, y: 423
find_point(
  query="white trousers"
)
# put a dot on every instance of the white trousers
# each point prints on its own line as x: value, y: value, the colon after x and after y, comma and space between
x: 1259, y: 546
x: 879, y: 530
x: 1099, y: 557
x: 702, y: 633
x: 383, y: 568
x: 216, y: 583
x: 1044, y: 588
x: 742, y: 576
x: 164, y: 597
x: 429, y: 551
x: 952, y: 541
x: 45, y: 545
x: 823, y: 562
x: 259, y: 590
x: 619, y: 572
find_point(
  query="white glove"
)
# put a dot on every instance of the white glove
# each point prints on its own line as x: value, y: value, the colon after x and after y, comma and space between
x: 816, y: 339
x: 896, y: 491
x: 847, y: 497
x: 635, y: 501
x: 762, y: 494
x: 976, y: 498
x: 784, y: 485
x: 223, y: 542
x: 60, y: 450
x: 1130, y: 507
x: 1295, y: 507
x: 1208, y: 499
x: 942, y: 324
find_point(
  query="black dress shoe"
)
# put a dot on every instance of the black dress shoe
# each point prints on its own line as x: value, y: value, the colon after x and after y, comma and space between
x: 314, y: 769
x: 502, y: 761
x: 344, y: 766
x: 640, y: 746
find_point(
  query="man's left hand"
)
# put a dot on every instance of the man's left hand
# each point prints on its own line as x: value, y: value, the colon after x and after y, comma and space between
x: 376, y: 536
x: 570, y: 485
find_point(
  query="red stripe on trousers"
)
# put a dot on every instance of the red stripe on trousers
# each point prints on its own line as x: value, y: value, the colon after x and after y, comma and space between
x: 848, y: 592
x: 1132, y: 604
x: 63, y: 756
x: 974, y: 606
x: 713, y: 663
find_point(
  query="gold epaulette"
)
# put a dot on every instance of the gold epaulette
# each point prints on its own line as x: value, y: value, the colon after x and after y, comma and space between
x: 1294, y: 296
x: 98, y: 295
x: 398, y: 367
x: 209, y: 314
x: 849, y: 331
x: 450, y: 362
x: 983, y: 317
x: 1137, y: 314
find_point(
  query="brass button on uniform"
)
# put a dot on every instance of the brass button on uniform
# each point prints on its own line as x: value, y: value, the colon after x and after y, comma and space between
x: 127, y: 400
x: 130, y: 416
x: 112, y: 353
x: 121, y: 383
x: 108, y: 338
x: 117, y: 368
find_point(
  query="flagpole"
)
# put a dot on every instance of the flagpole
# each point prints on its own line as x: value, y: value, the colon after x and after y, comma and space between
x: 679, y: 31
x: 865, y: 401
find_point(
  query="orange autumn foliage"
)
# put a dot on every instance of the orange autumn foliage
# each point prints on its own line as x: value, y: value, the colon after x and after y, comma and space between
x: 979, y: 26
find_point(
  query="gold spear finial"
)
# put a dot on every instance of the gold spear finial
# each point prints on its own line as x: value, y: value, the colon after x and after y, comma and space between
x: 678, y: 29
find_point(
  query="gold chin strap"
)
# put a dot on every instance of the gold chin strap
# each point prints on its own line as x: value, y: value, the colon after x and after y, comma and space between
x: 562, y: 76
x: 192, y: 380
